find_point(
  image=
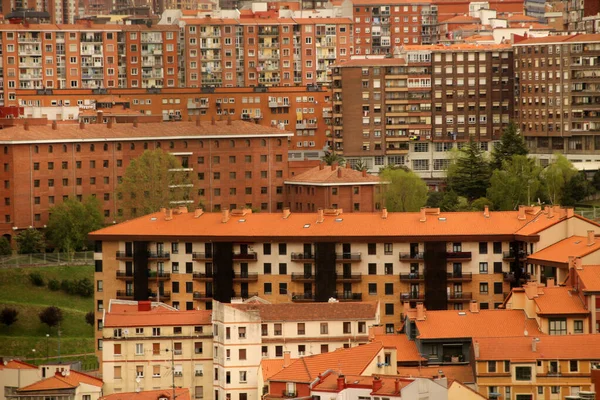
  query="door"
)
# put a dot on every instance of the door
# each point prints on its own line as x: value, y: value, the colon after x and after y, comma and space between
x: 160, y: 267
x: 129, y: 288
x: 457, y: 270
x: 129, y: 249
x: 307, y: 270
x: 308, y: 288
x: 458, y: 290
x: 244, y: 270
x: 161, y: 288
x: 208, y: 249
x: 128, y: 268
x: 243, y: 248
x: 414, y: 290
x: 244, y: 289
x: 346, y: 249
x: 160, y: 248
x: 414, y: 249
x: 209, y: 289
x: 347, y: 290
x: 347, y: 271
x: 414, y: 270
x: 208, y: 269
x: 307, y: 250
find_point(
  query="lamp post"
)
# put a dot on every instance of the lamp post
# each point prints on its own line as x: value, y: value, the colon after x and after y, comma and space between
x: 47, y: 347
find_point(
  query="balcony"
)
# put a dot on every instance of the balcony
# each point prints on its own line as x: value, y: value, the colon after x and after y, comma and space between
x: 287, y: 393
x: 160, y: 275
x: 124, y: 256
x: 303, y: 297
x: 412, y: 277
x: 303, y: 257
x: 249, y: 256
x: 348, y: 278
x: 411, y: 257
x: 127, y: 275
x: 459, y: 276
x: 124, y: 295
x: 458, y: 256
x: 348, y: 257
x: 159, y: 255
x: 300, y: 277
x: 347, y: 296
x: 160, y: 296
x: 458, y: 297
x: 412, y: 296
x: 202, y: 256
x: 244, y: 295
x: 199, y: 276
x: 202, y: 296
x: 246, y: 277
x: 512, y: 255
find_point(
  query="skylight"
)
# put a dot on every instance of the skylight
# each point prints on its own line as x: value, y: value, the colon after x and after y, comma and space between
x: 307, y: 225
x: 338, y: 219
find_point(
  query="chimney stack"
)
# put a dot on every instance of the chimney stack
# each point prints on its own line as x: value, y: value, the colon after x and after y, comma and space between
x: 550, y: 212
x: 550, y: 282
x: 334, y: 166
x: 341, y: 383
x: 533, y: 345
x: 168, y: 214
x: 109, y: 124
x: 339, y: 172
x: 320, y: 216
x: 198, y: 120
x: 377, y: 383
x: 321, y: 165
x: 225, y: 215
x: 486, y: 211
x: 26, y: 125
x: 213, y: 121
x: 286, y: 359
x: 397, y: 386
x: 570, y: 212
x: 476, y: 349
x: 420, y: 312
x: 228, y: 119
x: 198, y: 212
x: 82, y: 125
x: 474, y: 307
x: 135, y: 122
x: 423, y: 215
x: 163, y: 210
x: 54, y: 125
x: 286, y: 212
x: 591, y: 238
x: 521, y: 216
x: 384, y: 213
x: 364, y: 173
x: 99, y: 115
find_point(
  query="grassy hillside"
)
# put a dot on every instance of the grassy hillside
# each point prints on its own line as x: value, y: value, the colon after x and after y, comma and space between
x: 28, y: 332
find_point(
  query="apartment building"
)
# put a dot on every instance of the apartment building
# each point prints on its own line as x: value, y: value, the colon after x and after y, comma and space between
x: 412, y: 110
x: 333, y: 187
x: 235, y: 163
x: 45, y: 56
x: 577, y: 10
x: 147, y: 345
x: 585, y: 281
x: 556, y: 107
x: 536, y: 366
x: 305, y: 110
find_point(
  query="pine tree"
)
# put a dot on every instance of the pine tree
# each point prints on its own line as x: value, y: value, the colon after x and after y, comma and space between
x: 469, y: 175
x: 511, y: 144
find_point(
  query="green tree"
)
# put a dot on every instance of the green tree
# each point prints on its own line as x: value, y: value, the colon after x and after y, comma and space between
x: 5, y: 249
x: 30, y: 241
x: 469, y: 174
x: 406, y: 191
x: 596, y: 180
x: 434, y: 199
x: 480, y: 203
x: 51, y: 316
x: 8, y: 316
x: 331, y: 158
x: 90, y: 317
x: 517, y: 183
x: 153, y: 180
x: 576, y: 189
x: 511, y: 144
x: 360, y: 165
x: 556, y: 176
x: 71, y: 221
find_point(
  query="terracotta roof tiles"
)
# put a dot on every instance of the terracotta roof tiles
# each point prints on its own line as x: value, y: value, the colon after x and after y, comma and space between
x: 548, y: 347
x: 589, y: 276
x: 462, y: 373
x: 180, y: 394
x: 559, y: 252
x: 273, y: 366
x: 58, y: 381
x: 558, y: 300
x: 123, y: 316
x: 367, y: 62
x: 17, y: 364
x: 312, y: 311
x: 406, y: 349
x: 328, y: 175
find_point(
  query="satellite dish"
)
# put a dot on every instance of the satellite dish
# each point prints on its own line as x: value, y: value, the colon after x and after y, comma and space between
x: 5, y: 362
x: 64, y: 373
x: 126, y: 331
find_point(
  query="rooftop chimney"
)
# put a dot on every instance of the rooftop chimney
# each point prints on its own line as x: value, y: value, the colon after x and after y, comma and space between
x: 82, y: 125
x: 26, y: 125
x: 334, y: 166
x: 99, y: 115
x: 213, y: 121
x: 198, y: 120
x: 225, y: 215
x: 341, y: 383
x: 591, y: 238
x: 339, y: 172
x: 420, y: 312
x: 182, y: 209
x: 228, y: 119
x: 168, y: 214
x: 198, y: 212
x: 286, y: 212
x: 384, y: 213
x: 550, y: 212
x: 286, y: 359
x: 320, y: 216
x: 397, y: 386
x: 144, y: 305
x: 476, y: 349
x: 364, y: 172
x: 423, y: 215
x: 533, y: 344
x: 54, y: 125
x: 550, y: 282
x: 135, y: 123
x: 109, y: 124
x: 521, y: 216
x: 377, y: 383
x: 486, y: 211
x: 321, y: 165
x: 570, y: 212
x: 163, y: 210
x: 474, y: 306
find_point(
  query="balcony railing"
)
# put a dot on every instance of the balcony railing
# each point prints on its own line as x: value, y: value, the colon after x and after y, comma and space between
x: 460, y: 296
x: 300, y: 277
x: 412, y: 296
x: 124, y: 295
x: 347, y: 296
x: 160, y: 295
x: 203, y: 296
x: 249, y: 256
x: 459, y: 276
x: 199, y: 276
x: 458, y: 255
x: 287, y: 393
x: 159, y: 275
x: 348, y: 257
x: 246, y: 277
x: 124, y: 274
x: 512, y: 255
x: 417, y: 256
x: 303, y: 257
x: 348, y: 277
x: 124, y: 255
x: 412, y: 277
x: 158, y: 255
x: 301, y: 297
x: 244, y: 295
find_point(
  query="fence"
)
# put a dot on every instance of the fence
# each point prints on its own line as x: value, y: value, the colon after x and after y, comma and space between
x: 590, y: 213
x: 23, y: 260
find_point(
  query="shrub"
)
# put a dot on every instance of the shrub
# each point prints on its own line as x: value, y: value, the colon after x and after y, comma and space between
x: 66, y: 286
x: 5, y: 249
x: 54, y: 285
x: 8, y: 316
x: 84, y: 287
x: 36, y: 278
x: 90, y: 317
x: 51, y: 316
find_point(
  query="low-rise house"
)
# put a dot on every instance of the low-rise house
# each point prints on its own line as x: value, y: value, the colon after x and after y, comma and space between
x: 15, y: 374
x: 159, y: 394
x: 65, y: 384
x: 585, y: 280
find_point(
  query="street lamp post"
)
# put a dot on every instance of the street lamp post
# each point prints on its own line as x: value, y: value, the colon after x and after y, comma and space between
x: 47, y: 347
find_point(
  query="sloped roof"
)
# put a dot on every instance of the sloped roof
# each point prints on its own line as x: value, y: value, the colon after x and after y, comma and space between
x: 332, y: 175
x: 589, y: 275
x: 558, y: 300
x: 180, y: 394
x: 465, y: 324
x: 406, y: 349
x: 388, y: 383
x: 559, y: 252
x: 122, y: 315
x: 69, y: 381
x: 340, y: 311
x: 352, y: 361
x: 547, y: 347
x: 461, y: 373
x: 272, y: 366
x: 16, y: 364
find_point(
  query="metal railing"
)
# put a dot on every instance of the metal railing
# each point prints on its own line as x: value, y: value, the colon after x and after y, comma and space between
x: 48, y: 259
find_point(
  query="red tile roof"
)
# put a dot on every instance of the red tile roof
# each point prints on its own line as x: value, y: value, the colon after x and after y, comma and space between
x: 549, y: 347
x: 458, y: 47
x: 589, y: 276
x: 70, y: 380
x: 367, y: 62
x: 559, y: 252
x: 312, y: 311
x: 461, y: 373
x: 388, y: 384
x: 273, y: 366
x: 16, y: 364
x: 406, y: 349
x: 121, y: 316
x: 352, y: 361
x: 144, y: 131
x: 461, y: 19
x: 579, y: 38
x: 180, y: 394
x: 555, y: 300
x: 304, y: 225
x: 327, y: 175
x: 465, y: 324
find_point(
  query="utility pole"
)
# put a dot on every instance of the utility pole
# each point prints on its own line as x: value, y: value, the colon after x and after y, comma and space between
x: 59, y: 342
x: 172, y: 367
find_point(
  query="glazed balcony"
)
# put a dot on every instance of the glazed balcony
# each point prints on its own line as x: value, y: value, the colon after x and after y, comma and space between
x: 249, y: 256
x: 124, y: 256
x: 303, y: 257
x: 301, y: 277
x: 199, y: 276
x: 459, y: 276
x: 303, y: 297
x: 411, y: 257
x: 348, y: 257
x: 412, y: 277
x: 348, y: 278
x: 246, y: 277
x: 458, y: 256
x: 202, y: 256
x: 458, y: 297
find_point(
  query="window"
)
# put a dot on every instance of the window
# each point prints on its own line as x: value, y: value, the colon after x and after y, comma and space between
x: 241, y: 354
x: 483, y: 248
x: 155, y: 331
x: 267, y: 268
x: 117, y: 372
x: 372, y: 248
x: 389, y: 289
x: 483, y: 268
x: 266, y: 248
x: 277, y: 329
x: 282, y: 269
x: 497, y: 247
x: 388, y: 248
x: 139, y: 349
x: 523, y: 373
x: 578, y: 326
x: 558, y: 326
x: 324, y: 328
x: 483, y: 287
x: 573, y: 366
x: 242, y: 332
x: 301, y: 328
x: 362, y: 327
x: 372, y: 269
x: 139, y: 371
x: 117, y: 349
x: 268, y: 288
x: 282, y: 249
x: 498, y: 288
x: 491, y: 366
x: 389, y: 309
